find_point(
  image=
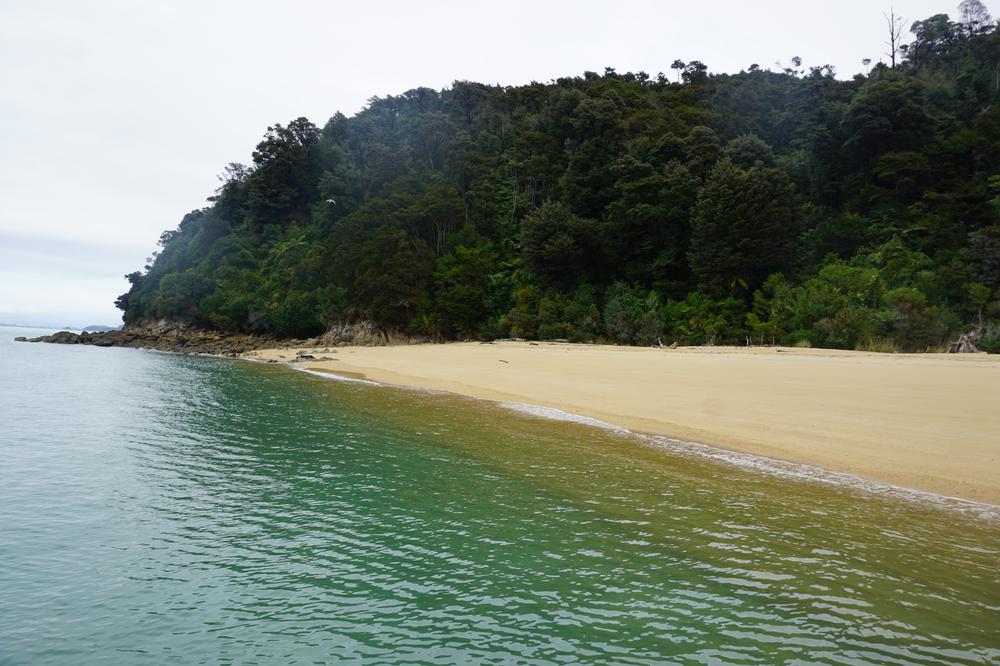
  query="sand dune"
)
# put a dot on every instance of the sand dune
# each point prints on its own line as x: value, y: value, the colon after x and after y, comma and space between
x: 930, y: 422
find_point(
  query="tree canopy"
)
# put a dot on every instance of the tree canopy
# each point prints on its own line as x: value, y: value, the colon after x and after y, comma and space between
x: 784, y: 206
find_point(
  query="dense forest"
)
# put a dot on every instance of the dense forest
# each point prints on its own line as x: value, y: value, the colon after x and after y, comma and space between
x: 783, y: 207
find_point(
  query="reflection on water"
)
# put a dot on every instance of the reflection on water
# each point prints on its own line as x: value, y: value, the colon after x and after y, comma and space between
x: 156, y: 507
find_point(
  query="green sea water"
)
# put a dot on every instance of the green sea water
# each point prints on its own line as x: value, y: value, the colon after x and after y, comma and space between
x: 160, y: 509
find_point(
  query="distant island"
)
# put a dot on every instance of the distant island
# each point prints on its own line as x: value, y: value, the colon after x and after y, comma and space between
x: 92, y: 328
x: 766, y: 206
x: 67, y: 327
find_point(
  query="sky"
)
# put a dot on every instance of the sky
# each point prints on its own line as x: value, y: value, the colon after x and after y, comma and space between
x: 117, y: 117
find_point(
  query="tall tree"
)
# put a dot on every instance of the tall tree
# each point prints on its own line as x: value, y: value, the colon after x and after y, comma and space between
x: 558, y: 246
x: 974, y: 17
x: 744, y: 227
x: 285, y: 174
x: 895, y: 25
x: 678, y: 66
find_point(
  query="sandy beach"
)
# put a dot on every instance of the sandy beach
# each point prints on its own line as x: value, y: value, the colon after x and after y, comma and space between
x: 924, y: 421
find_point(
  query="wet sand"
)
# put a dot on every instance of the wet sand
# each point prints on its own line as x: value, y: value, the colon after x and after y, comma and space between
x: 924, y: 421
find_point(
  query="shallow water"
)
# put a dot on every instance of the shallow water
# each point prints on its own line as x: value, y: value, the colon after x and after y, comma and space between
x: 165, y: 509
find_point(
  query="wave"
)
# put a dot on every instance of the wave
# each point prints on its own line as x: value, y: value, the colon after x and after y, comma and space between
x: 765, y: 464
x: 553, y: 414
x: 336, y: 377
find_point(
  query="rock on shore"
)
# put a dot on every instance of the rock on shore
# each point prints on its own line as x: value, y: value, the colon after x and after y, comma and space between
x: 364, y: 334
x: 190, y: 341
x: 181, y: 337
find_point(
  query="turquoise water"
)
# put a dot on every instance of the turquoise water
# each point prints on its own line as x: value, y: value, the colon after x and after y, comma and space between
x: 165, y: 509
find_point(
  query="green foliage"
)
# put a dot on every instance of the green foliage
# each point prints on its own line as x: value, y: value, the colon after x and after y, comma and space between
x: 984, y: 250
x: 462, y: 289
x: 294, y: 316
x: 990, y: 342
x: 702, y: 149
x: 783, y: 206
x: 875, y: 298
x: 701, y: 320
x: 915, y: 325
x: 631, y: 316
x: 556, y: 244
x: 886, y: 116
x: 583, y: 316
x: 748, y: 150
x: 283, y: 182
x: 522, y: 319
x: 744, y: 226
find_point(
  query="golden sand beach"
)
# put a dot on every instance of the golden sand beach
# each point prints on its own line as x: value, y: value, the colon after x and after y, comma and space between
x: 924, y: 421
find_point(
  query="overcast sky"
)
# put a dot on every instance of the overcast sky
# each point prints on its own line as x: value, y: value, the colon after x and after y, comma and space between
x: 117, y: 116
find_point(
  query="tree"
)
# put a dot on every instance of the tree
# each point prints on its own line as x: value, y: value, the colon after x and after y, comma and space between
x: 747, y: 150
x: 135, y: 280
x: 702, y: 149
x: 285, y: 174
x: 558, y: 246
x: 395, y: 273
x: 886, y: 116
x: 607, y: 206
x: 743, y: 228
x: 984, y: 247
x: 916, y: 325
x: 462, y: 283
x: 234, y: 172
x: 695, y: 72
x: 895, y: 24
x: 647, y: 225
x: 678, y: 66
x: 631, y: 316
x: 933, y: 37
x: 975, y: 18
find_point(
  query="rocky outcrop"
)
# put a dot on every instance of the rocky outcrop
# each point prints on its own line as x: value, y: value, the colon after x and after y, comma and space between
x: 363, y: 334
x: 61, y: 338
x: 159, y: 326
x: 186, y: 340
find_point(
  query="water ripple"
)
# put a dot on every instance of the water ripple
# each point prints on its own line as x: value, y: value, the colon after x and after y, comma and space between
x: 169, y: 509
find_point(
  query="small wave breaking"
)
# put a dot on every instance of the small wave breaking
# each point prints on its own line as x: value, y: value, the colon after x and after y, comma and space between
x: 336, y: 377
x: 764, y: 464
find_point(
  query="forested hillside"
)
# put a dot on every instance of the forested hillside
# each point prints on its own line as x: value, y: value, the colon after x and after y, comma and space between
x: 788, y: 206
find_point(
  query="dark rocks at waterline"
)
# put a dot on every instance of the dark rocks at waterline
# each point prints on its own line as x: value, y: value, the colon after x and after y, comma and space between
x: 184, y: 337
x: 184, y: 341
x: 60, y: 338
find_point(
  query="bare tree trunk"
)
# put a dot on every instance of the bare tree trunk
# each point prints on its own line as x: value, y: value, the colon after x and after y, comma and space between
x: 895, y: 34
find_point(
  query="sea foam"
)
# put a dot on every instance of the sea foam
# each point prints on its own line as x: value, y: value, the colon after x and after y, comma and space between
x: 553, y: 414
x: 336, y: 377
x: 764, y: 464
x: 759, y: 463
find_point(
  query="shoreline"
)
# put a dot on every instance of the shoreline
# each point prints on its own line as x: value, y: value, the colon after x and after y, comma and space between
x: 800, y: 471
x: 921, y: 422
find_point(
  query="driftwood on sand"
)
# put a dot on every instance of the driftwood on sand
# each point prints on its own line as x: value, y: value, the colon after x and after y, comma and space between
x: 966, y: 343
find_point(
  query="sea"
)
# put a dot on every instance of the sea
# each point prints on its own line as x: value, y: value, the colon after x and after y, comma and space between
x: 166, y: 509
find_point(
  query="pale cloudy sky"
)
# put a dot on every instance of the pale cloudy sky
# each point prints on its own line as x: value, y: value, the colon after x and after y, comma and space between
x: 117, y: 116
